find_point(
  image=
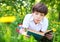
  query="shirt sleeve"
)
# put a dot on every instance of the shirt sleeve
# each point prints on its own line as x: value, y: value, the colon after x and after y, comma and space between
x: 26, y: 21
x: 44, y: 25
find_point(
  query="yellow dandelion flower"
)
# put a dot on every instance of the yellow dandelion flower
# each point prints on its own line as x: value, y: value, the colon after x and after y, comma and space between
x: 8, y: 19
x: 54, y: 30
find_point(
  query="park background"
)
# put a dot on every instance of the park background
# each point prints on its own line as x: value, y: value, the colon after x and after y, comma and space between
x: 12, y: 13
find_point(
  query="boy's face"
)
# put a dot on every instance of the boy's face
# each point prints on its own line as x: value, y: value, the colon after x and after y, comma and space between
x: 37, y: 16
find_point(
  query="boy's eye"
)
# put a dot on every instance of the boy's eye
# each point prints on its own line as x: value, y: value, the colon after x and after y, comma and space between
x: 42, y: 14
x: 36, y: 14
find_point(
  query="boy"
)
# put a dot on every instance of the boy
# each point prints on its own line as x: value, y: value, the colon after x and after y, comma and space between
x: 37, y: 20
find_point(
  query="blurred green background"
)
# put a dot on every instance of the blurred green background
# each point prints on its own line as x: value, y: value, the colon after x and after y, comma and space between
x: 17, y: 9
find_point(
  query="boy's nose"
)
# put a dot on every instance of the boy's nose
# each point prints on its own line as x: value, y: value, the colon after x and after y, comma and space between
x: 38, y: 16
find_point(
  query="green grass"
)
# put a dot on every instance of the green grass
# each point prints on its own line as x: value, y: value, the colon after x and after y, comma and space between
x: 8, y: 33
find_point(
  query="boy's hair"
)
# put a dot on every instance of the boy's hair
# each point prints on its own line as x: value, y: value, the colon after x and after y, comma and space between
x: 40, y: 7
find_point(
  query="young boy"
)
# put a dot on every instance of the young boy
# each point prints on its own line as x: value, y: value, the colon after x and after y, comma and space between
x: 36, y: 20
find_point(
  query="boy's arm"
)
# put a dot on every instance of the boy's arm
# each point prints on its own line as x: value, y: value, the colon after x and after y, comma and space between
x: 44, y: 25
x: 25, y: 25
x: 26, y: 21
x: 39, y: 33
x: 25, y: 30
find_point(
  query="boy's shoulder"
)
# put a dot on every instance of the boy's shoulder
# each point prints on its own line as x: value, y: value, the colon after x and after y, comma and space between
x: 28, y: 15
x: 45, y: 20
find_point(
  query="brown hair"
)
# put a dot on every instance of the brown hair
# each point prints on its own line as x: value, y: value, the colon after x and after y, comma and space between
x: 40, y: 7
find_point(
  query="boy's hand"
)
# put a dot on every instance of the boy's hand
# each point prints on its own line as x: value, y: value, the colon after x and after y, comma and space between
x: 22, y: 31
x: 49, y: 35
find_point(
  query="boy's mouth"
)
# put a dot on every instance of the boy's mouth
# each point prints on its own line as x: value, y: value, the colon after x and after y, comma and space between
x: 38, y: 20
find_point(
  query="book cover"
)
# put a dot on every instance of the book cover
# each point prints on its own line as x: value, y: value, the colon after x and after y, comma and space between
x: 37, y: 35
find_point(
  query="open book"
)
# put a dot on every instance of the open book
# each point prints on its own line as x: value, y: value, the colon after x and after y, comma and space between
x: 37, y: 35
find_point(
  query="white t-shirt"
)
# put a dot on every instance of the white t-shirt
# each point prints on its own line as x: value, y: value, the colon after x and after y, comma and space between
x: 29, y: 23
